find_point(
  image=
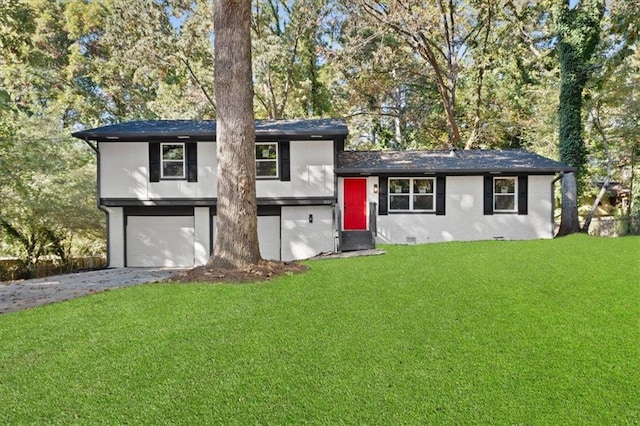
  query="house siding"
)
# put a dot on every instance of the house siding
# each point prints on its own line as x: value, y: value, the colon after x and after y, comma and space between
x: 301, y: 238
x: 203, y: 232
x: 311, y: 172
x: 116, y: 244
x: 465, y: 219
x: 124, y: 173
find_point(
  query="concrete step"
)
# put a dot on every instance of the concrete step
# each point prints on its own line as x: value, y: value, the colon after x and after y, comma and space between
x: 357, y: 240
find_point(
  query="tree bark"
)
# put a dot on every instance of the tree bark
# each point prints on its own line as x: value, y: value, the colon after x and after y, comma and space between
x: 236, y: 240
x: 594, y: 206
x: 578, y: 35
x: 569, y: 222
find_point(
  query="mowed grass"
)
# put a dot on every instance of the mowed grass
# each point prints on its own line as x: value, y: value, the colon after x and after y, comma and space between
x: 532, y: 332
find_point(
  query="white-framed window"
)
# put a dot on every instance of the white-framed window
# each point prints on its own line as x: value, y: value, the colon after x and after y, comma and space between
x: 267, y: 159
x: 172, y: 157
x: 504, y: 194
x: 412, y: 194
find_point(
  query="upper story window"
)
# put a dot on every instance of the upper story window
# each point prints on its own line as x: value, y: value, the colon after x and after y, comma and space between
x: 267, y: 159
x: 504, y: 194
x: 412, y: 194
x: 173, y: 160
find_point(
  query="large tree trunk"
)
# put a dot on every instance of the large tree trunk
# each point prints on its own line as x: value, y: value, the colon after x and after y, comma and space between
x: 569, y: 222
x: 578, y: 30
x: 236, y: 242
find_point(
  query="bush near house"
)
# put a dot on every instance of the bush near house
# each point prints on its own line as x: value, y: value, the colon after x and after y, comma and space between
x: 499, y: 332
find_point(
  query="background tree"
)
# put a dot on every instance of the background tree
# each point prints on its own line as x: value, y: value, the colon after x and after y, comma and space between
x: 578, y: 30
x: 440, y: 34
x: 47, y: 194
x: 290, y: 78
x: 236, y: 240
x: 614, y: 110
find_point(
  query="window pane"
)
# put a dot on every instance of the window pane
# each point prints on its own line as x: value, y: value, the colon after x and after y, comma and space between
x: 399, y: 186
x: 399, y: 202
x: 266, y: 168
x: 266, y: 151
x: 505, y: 202
x: 172, y: 152
x: 173, y: 169
x: 423, y: 186
x: 423, y: 202
x: 505, y: 186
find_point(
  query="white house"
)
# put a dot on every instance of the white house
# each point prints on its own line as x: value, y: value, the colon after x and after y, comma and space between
x: 157, y: 183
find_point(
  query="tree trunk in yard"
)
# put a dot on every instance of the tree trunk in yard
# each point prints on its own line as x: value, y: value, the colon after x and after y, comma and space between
x: 236, y: 240
x: 594, y: 207
x: 569, y: 222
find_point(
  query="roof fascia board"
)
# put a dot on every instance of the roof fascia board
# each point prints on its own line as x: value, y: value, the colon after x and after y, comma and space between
x: 209, y: 202
x: 450, y: 172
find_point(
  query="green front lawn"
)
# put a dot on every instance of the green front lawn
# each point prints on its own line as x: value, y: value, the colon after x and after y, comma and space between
x: 533, y: 332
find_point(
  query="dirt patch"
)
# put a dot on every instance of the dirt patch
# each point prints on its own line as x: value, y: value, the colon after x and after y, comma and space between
x: 264, y: 271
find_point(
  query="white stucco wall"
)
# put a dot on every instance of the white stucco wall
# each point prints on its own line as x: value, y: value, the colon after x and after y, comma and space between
x: 465, y: 221
x: 302, y: 239
x: 115, y: 229
x: 202, y: 221
x: 311, y: 172
x: 124, y: 173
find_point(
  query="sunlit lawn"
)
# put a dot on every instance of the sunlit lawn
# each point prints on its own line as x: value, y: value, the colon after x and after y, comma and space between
x: 534, y: 332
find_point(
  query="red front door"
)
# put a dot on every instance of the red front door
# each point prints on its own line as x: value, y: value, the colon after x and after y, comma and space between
x: 355, y: 204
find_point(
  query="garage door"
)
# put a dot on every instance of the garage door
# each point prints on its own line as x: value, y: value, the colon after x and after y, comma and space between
x: 154, y: 241
x: 269, y: 237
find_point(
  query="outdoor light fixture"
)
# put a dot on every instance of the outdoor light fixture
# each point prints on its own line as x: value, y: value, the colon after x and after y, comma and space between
x: 310, y: 218
x: 375, y: 188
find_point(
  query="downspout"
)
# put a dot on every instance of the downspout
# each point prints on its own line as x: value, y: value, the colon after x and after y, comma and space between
x: 100, y: 206
x: 338, y: 147
x: 553, y: 202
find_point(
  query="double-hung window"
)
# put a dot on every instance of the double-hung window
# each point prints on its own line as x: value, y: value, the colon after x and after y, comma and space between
x: 412, y: 194
x: 267, y: 159
x: 173, y: 160
x: 504, y: 194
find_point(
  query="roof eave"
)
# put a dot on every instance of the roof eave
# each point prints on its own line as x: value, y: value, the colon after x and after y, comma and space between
x: 472, y: 171
x: 204, y: 136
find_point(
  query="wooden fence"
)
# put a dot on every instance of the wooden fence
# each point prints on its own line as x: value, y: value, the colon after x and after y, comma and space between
x: 15, y: 269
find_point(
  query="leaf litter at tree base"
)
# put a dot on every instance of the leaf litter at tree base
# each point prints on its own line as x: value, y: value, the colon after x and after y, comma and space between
x: 265, y: 270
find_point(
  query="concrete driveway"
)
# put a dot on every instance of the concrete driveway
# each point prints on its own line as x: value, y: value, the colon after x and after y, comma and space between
x: 17, y: 295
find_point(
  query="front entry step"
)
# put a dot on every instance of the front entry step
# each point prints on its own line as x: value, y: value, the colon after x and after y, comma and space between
x: 356, y: 240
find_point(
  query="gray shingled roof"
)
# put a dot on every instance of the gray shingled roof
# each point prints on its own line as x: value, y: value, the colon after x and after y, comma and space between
x: 468, y: 161
x: 146, y: 130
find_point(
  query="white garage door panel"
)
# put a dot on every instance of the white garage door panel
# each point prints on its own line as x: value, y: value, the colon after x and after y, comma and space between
x: 166, y: 241
x: 269, y: 237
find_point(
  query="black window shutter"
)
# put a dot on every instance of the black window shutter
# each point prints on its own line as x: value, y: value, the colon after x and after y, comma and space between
x: 488, y: 195
x: 192, y: 161
x: 383, y: 185
x: 523, y: 192
x: 285, y: 160
x: 441, y: 191
x: 154, y: 161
